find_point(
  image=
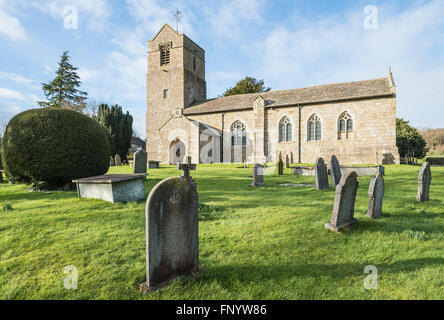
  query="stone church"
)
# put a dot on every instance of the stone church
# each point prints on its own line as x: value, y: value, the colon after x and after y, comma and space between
x: 356, y: 121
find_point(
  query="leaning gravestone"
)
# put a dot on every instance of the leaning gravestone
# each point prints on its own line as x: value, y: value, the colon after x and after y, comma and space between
x: 335, y: 171
x: 258, y: 175
x: 424, y: 181
x: 172, y: 240
x: 140, y: 161
x: 344, y: 207
x: 117, y: 160
x: 321, y: 174
x: 375, y: 196
x: 112, y: 163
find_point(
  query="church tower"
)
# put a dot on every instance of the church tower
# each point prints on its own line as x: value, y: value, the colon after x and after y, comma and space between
x: 175, y: 79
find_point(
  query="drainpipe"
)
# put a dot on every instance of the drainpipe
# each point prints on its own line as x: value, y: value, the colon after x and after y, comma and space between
x: 300, y: 135
x: 222, y: 139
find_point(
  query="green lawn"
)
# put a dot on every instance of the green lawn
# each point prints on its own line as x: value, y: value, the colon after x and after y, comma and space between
x: 256, y: 243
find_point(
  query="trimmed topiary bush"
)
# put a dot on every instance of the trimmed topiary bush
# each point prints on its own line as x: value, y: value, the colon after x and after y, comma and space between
x: 53, y: 146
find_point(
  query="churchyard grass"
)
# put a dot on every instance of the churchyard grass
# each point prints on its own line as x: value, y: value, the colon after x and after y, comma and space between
x: 256, y: 243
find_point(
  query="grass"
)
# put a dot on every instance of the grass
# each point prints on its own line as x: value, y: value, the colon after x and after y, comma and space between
x: 256, y: 243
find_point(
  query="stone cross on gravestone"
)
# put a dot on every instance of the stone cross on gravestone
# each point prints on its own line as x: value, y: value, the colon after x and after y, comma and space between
x: 186, y: 167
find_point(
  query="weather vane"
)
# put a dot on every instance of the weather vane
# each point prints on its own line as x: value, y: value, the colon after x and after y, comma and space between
x: 178, y: 16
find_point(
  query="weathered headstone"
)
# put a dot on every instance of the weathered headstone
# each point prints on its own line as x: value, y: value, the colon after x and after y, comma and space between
x: 375, y: 196
x: 258, y: 175
x: 344, y: 207
x: 291, y: 158
x: 140, y: 161
x: 287, y: 162
x: 117, y: 160
x: 335, y: 171
x: 172, y: 241
x: 280, y: 166
x: 112, y: 163
x: 321, y: 174
x: 424, y: 181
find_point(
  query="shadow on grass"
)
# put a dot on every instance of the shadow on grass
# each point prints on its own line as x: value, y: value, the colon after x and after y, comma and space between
x: 247, y: 273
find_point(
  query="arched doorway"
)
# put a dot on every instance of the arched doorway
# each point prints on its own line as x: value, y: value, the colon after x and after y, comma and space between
x: 177, y: 151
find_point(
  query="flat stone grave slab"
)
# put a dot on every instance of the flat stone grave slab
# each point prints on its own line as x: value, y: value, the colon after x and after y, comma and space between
x: 113, y: 188
x: 297, y: 185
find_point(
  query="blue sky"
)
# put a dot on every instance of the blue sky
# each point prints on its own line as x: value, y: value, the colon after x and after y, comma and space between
x: 289, y: 44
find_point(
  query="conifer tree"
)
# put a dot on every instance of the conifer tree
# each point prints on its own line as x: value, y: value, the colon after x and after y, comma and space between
x: 118, y: 127
x: 63, y: 91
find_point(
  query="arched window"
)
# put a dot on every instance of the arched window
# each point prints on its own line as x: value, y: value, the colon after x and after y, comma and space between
x: 345, y: 125
x: 238, y: 134
x: 314, y: 128
x: 285, y: 130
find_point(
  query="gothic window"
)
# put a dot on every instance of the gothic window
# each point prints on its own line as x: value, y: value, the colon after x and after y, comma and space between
x: 345, y: 125
x: 314, y: 128
x: 285, y: 130
x: 238, y: 134
x: 165, y: 54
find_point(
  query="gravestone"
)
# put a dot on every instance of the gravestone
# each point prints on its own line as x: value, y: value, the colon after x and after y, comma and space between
x: 335, y: 171
x: 117, y: 160
x: 287, y: 162
x: 172, y: 240
x: 140, y: 161
x: 112, y: 163
x: 291, y: 158
x: 424, y: 181
x: 258, y: 175
x: 321, y: 174
x: 375, y: 196
x: 280, y: 166
x: 344, y: 207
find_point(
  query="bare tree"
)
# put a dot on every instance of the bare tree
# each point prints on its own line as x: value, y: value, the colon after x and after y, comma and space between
x: 91, y: 108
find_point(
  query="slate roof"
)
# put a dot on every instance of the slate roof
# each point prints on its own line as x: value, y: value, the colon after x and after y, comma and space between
x: 310, y: 95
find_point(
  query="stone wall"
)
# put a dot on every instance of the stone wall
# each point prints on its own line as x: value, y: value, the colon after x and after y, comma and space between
x: 372, y: 141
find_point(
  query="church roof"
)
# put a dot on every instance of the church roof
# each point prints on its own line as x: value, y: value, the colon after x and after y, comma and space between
x: 310, y: 95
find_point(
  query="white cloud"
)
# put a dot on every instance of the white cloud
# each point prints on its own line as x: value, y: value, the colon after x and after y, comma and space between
x: 10, y: 26
x: 16, y: 78
x: 86, y: 74
x: 340, y: 49
x: 228, y: 18
x: 6, y: 93
x: 92, y: 13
